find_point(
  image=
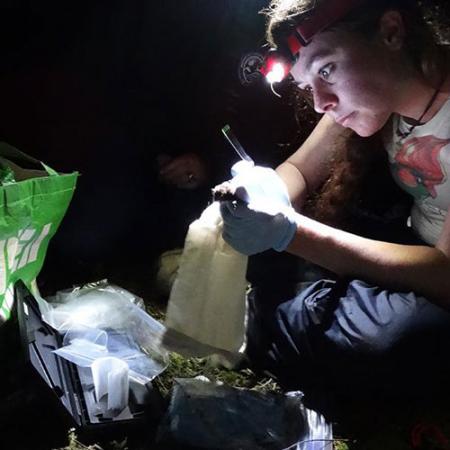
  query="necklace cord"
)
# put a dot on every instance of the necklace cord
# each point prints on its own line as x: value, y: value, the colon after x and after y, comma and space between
x: 405, y: 134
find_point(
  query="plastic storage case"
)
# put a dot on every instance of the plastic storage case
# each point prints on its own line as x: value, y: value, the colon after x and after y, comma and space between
x: 73, y: 385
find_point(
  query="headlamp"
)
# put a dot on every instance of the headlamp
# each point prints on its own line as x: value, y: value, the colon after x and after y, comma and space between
x: 278, y: 62
x: 275, y: 67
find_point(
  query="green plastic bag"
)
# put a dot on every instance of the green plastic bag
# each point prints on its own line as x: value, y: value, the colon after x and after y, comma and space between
x: 33, y: 201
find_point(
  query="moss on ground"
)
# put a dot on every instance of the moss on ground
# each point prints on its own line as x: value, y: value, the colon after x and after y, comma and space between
x: 75, y: 444
x: 180, y: 367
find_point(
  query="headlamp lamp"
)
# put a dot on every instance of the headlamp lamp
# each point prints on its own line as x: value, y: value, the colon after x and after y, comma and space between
x: 278, y: 62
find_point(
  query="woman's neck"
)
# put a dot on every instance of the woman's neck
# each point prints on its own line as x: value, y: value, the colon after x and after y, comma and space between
x: 417, y: 96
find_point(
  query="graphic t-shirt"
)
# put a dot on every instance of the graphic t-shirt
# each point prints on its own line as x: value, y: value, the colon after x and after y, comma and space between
x: 420, y: 164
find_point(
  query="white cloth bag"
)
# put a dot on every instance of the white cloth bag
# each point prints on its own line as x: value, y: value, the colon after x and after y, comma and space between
x: 207, y: 301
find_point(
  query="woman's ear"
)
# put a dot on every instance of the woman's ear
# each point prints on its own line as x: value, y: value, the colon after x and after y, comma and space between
x: 392, y: 29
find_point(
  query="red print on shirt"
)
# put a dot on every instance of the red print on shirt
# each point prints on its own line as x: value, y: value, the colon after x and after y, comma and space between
x: 418, y: 163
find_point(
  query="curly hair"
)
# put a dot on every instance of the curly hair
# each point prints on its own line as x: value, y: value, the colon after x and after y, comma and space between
x: 355, y: 162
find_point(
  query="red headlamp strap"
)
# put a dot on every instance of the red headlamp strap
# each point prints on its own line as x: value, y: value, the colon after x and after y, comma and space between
x: 327, y: 13
x: 324, y: 15
x: 294, y: 44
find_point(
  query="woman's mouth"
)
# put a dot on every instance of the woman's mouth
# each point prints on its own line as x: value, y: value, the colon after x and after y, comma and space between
x: 344, y: 119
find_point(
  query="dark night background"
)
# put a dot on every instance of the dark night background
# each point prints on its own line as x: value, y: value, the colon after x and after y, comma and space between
x: 102, y: 87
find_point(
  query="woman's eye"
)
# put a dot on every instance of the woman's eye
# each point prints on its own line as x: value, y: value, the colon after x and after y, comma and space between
x: 325, y: 71
x: 305, y: 88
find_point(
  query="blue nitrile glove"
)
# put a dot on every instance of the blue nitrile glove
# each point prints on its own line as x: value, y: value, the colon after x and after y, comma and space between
x: 249, y: 231
x: 257, y: 184
x: 265, y: 218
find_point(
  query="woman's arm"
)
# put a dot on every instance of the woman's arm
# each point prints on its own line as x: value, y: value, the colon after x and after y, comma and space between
x: 308, y: 167
x: 424, y: 270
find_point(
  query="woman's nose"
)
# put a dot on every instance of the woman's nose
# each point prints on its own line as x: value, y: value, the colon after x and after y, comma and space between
x: 324, y: 100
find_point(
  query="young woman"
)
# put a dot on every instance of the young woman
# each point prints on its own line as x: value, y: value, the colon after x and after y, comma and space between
x: 372, y: 69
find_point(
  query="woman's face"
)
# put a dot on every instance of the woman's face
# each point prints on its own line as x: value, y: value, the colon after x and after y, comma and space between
x: 350, y: 79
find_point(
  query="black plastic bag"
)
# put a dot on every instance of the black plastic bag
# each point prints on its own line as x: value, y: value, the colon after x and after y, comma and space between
x: 206, y: 415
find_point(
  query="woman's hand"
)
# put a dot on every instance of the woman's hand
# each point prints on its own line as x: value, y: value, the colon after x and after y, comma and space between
x: 263, y: 217
x: 250, y: 231
x: 187, y: 171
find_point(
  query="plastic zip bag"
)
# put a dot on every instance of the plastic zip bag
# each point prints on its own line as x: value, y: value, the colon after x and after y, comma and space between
x: 103, y: 320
